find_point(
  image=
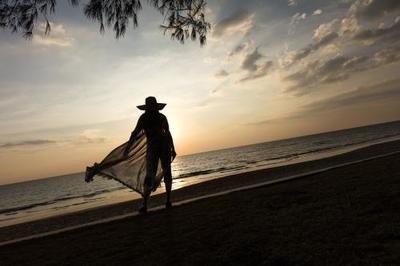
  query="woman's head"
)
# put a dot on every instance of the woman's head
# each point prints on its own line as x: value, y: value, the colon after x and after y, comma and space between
x: 151, y: 104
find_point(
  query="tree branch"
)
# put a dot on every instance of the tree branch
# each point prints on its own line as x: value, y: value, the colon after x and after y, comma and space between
x: 185, y: 17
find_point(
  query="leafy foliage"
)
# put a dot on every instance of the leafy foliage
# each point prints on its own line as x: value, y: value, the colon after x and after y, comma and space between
x: 185, y: 18
x: 23, y: 14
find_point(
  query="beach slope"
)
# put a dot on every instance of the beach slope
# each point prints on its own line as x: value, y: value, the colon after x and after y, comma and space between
x: 348, y: 215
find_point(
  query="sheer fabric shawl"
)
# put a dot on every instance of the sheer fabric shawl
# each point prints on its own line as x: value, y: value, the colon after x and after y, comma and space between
x: 129, y: 170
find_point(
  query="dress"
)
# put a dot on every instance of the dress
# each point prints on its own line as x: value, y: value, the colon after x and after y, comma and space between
x: 148, y: 160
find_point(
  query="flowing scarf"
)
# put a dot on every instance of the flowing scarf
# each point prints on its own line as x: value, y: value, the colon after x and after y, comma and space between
x: 129, y: 170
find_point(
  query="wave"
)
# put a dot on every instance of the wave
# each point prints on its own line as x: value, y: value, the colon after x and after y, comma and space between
x: 283, y: 157
x: 15, y: 210
x: 202, y: 172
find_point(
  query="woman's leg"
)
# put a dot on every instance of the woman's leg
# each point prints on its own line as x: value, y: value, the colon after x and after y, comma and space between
x: 143, y: 209
x: 166, y: 166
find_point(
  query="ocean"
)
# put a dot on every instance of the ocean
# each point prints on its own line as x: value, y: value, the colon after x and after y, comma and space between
x: 41, y: 198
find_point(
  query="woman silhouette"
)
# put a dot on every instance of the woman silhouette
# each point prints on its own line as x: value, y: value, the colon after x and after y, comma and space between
x: 160, y: 147
x: 136, y: 162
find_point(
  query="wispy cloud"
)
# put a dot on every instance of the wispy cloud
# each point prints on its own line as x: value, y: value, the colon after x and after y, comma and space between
x: 338, y: 68
x: 336, y: 51
x: 85, y: 137
x: 240, y: 48
x: 294, y: 57
x: 58, y: 37
x: 373, y: 9
x: 253, y: 69
x: 221, y: 73
x: 317, y: 12
x: 240, y: 21
x: 292, y: 2
x: 371, y: 36
x: 296, y: 19
x: 27, y: 143
x: 89, y: 136
x: 362, y: 95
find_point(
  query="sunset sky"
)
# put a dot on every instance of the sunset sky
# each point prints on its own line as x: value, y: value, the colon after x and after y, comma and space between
x: 270, y: 70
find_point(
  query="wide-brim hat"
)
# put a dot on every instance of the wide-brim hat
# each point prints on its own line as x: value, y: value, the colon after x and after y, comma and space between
x: 152, y: 104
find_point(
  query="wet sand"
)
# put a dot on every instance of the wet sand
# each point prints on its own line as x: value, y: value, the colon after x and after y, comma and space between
x: 349, y: 215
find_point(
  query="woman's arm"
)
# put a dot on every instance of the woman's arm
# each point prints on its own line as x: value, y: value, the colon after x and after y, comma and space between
x: 171, y: 143
x: 170, y: 140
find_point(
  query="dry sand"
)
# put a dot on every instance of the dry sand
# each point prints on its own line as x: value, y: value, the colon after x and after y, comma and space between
x: 349, y: 215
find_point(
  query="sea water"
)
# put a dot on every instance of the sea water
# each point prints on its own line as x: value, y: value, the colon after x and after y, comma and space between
x: 40, y: 198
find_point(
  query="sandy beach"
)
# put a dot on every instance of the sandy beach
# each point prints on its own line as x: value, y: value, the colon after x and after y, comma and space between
x: 347, y: 215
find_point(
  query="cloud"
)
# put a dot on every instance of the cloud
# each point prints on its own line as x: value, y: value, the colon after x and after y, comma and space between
x: 360, y: 95
x: 239, y: 48
x: 296, y: 19
x: 249, y: 62
x: 373, y: 9
x: 277, y: 120
x: 323, y: 35
x: 325, y: 29
x: 221, y: 73
x: 262, y: 70
x: 253, y: 69
x: 58, y: 36
x: 294, y: 57
x: 317, y: 72
x: 339, y: 33
x: 387, y: 56
x: 327, y: 39
x: 349, y: 25
x: 371, y: 36
x: 317, y: 12
x: 338, y: 68
x: 241, y: 20
x: 24, y: 143
x: 292, y: 2
x: 89, y: 136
